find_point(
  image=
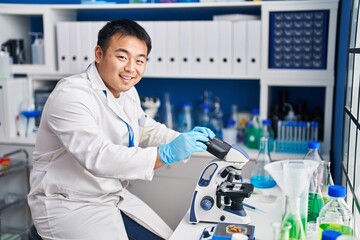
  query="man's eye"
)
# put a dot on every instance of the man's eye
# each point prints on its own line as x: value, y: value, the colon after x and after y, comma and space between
x: 121, y: 57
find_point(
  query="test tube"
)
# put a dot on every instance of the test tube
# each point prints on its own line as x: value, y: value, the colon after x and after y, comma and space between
x: 308, y: 127
x: 314, y: 130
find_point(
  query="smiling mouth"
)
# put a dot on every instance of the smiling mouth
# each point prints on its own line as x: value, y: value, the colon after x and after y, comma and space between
x: 126, y: 78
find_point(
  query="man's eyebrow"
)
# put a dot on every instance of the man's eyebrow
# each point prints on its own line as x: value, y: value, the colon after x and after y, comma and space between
x: 127, y: 52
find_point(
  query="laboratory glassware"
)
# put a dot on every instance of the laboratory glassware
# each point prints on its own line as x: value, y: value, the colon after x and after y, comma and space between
x: 260, y: 178
x: 268, y: 132
x: 292, y: 177
x: 280, y: 230
x: 335, y: 214
x: 315, y: 199
x: 326, y: 180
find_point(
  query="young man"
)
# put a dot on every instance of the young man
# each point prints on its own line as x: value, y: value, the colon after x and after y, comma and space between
x: 93, y: 136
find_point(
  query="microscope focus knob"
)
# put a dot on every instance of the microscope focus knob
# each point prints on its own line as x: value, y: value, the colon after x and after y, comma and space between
x: 207, y: 203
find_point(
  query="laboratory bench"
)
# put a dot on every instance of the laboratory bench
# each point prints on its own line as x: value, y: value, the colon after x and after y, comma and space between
x: 268, y: 204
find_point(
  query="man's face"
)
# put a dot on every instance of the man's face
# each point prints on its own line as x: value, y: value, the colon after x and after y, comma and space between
x: 122, y: 65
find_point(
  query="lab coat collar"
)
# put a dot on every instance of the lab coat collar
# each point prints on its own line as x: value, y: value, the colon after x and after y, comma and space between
x: 98, y: 84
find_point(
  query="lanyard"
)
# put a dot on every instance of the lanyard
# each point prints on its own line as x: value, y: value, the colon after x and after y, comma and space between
x: 130, y: 131
x: 131, y: 135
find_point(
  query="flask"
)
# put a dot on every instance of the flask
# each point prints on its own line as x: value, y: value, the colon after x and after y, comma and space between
x: 268, y: 132
x: 185, y: 120
x: 315, y: 198
x: 260, y: 178
x: 253, y: 130
x: 336, y: 215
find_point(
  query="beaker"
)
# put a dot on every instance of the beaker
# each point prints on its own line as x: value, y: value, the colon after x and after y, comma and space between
x: 292, y: 176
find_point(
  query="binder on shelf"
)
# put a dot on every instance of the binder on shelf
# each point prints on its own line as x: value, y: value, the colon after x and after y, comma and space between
x: 211, y: 47
x: 254, y: 47
x: 239, y: 48
x: 63, y: 51
x: 186, y: 48
x: 198, y: 39
x: 172, y: 47
x: 74, y: 46
x: 159, y: 46
x: 150, y: 63
x: 87, y: 45
x: 225, y: 46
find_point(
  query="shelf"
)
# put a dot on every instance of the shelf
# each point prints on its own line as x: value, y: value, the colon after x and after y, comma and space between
x: 40, y: 7
x: 15, y: 166
x: 11, y: 201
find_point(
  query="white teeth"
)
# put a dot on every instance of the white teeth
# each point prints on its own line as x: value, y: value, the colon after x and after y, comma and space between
x: 125, y: 77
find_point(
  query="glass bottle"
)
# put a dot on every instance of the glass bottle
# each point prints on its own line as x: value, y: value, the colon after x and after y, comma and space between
x: 336, y: 215
x: 325, y: 180
x: 268, y: 132
x: 260, y: 178
x: 315, y: 198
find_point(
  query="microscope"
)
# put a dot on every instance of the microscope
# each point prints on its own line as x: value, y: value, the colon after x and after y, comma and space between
x: 219, y: 192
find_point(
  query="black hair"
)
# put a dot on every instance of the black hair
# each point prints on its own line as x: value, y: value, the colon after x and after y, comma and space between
x: 125, y: 27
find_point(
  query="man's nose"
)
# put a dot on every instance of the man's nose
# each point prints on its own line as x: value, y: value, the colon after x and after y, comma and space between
x: 130, y: 66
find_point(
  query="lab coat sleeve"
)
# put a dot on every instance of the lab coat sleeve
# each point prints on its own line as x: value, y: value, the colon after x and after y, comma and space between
x: 73, y: 114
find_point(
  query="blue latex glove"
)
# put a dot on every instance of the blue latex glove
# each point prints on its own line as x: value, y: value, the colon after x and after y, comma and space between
x: 206, y: 131
x: 185, y: 145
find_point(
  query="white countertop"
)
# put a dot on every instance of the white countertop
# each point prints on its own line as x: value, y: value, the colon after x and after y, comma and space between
x: 261, y: 220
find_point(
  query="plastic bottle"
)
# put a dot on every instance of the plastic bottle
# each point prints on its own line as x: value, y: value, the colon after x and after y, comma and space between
x: 4, y: 66
x: 330, y: 235
x: 37, y: 49
x: 230, y: 132
x: 268, y: 132
x: 253, y: 130
x: 185, y: 123
x: 336, y: 215
x: 315, y: 199
x: 260, y: 178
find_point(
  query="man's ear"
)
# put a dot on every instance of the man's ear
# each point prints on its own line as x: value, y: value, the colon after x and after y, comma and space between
x: 98, y: 54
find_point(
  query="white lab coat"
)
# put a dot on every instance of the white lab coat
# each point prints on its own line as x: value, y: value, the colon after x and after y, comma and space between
x: 82, y: 155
